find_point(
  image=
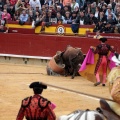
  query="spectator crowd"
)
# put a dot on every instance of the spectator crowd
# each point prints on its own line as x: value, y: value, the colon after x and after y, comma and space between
x: 104, y: 14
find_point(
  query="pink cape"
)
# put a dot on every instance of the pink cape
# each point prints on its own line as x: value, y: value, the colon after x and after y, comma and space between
x: 53, y: 105
x: 89, y: 59
x: 111, y: 63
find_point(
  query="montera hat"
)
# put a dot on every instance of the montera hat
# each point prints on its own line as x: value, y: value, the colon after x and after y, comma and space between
x: 103, y: 39
x: 116, y: 58
x: 38, y: 84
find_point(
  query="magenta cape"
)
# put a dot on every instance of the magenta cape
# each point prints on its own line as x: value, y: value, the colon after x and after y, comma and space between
x: 89, y: 59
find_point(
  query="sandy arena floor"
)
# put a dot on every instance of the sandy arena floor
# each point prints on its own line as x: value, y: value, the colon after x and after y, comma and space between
x: 14, y: 81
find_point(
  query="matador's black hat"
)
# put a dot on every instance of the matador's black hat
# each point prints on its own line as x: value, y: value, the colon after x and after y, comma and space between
x: 38, y: 84
x: 103, y: 39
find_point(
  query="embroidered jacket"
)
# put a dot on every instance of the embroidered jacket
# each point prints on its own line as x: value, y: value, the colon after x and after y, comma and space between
x: 36, y: 108
x: 103, y: 50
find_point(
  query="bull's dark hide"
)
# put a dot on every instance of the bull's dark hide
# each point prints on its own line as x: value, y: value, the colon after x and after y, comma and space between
x: 72, y: 58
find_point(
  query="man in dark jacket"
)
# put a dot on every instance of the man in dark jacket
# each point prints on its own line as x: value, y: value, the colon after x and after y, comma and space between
x: 92, y: 19
x: 108, y: 28
x: 82, y: 19
x: 3, y: 29
x: 36, y: 107
x: 99, y: 26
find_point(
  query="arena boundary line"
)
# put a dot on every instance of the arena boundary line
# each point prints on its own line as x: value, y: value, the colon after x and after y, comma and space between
x: 80, y: 93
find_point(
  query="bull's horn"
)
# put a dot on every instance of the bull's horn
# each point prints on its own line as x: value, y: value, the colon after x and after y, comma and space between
x: 58, y: 52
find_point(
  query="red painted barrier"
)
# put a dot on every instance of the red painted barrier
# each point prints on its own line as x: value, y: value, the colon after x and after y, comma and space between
x: 45, y: 45
x: 107, y: 35
x: 22, y: 30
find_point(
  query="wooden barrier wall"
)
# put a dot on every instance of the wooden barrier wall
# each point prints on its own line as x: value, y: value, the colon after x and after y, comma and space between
x: 45, y: 45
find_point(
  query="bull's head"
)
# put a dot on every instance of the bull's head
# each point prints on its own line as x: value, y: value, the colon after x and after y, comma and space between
x: 58, y: 57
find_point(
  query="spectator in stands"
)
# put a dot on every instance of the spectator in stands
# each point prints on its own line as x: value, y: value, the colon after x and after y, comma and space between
x: 46, y: 6
x: 77, y: 10
x: 28, y: 8
x: 113, y: 4
x: 97, y: 12
x: 97, y: 36
x: 59, y: 9
x: 37, y: 19
x: 5, y: 16
x: 36, y: 107
x: 51, y: 8
x: 98, y: 27
x: 117, y: 26
x: 81, y: 4
x: 117, y: 10
x: 23, y: 18
x: 117, y: 1
x: 1, y: 14
x: 65, y: 9
x: 42, y: 2
x: 1, y: 5
x: 45, y: 20
x: 93, y: 8
x: 67, y: 18
x: 4, y: 1
x: 111, y: 20
x: 8, y: 3
x: 43, y: 8
x: 74, y: 16
x: 88, y: 9
x: 30, y: 16
x: 108, y: 28
x: 19, y: 6
x: 92, y: 19
x: 13, y: 2
x: 118, y: 20
x: 37, y: 10
x: 2, y: 29
x: 66, y: 2
x: 102, y: 17
x: 82, y: 19
x: 26, y: 3
x: 107, y: 1
x: 34, y: 3
x: 11, y: 11
x: 109, y: 11
x: 104, y: 8
x: 5, y: 7
x: 74, y: 4
x: 75, y: 23
x: 101, y: 3
x: 16, y: 16
x: 49, y: 2
x: 60, y: 18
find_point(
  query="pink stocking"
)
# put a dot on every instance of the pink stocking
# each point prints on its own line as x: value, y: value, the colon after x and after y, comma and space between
x: 104, y: 79
x: 97, y: 77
